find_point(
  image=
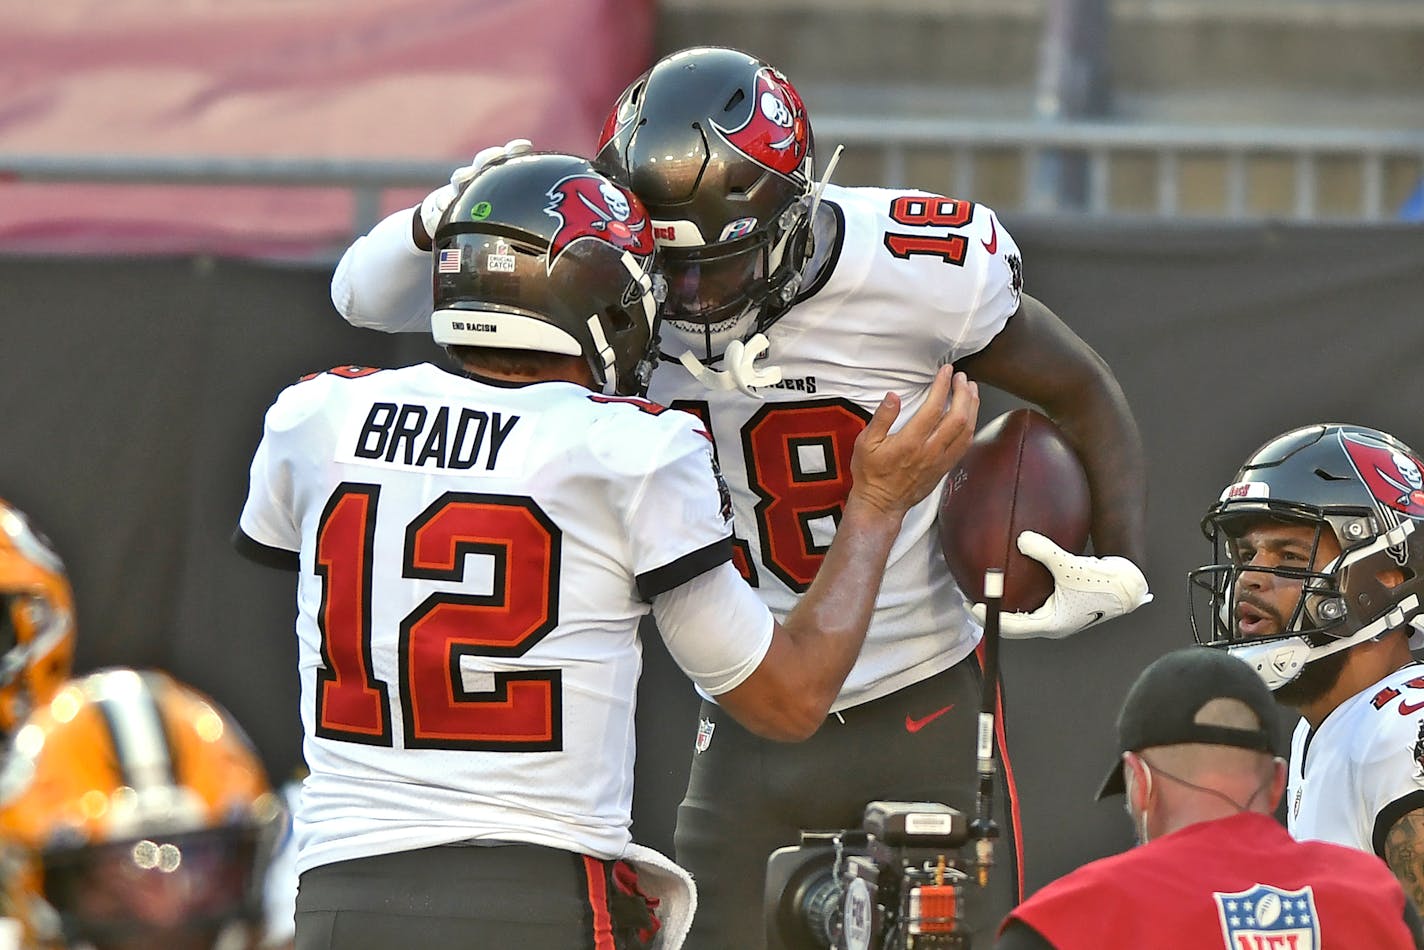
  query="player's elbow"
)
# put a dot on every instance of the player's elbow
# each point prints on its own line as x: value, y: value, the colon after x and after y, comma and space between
x: 797, y: 723
x: 788, y: 725
x: 776, y: 707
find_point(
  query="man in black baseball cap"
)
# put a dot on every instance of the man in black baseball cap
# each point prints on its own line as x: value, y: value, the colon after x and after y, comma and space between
x: 1172, y: 703
x: 1202, y: 775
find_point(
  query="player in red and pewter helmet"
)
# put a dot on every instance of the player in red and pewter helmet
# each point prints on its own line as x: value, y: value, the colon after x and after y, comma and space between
x: 475, y: 552
x: 565, y: 267
x: 718, y: 146
x: 792, y: 304
x: 1316, y: 583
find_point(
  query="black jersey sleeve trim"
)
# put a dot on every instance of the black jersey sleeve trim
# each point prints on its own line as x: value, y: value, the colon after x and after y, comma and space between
x: 665, y: 578
x: 1391, y: 813
x: 263, y: 554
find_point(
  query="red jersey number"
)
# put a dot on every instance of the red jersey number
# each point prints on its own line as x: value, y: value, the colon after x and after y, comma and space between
x: 798, y: 465
x: 521, y: 712
x: 929, y: 211
x: 1389, y: 694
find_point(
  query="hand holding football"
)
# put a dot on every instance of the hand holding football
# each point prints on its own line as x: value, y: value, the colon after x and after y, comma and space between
x: 1020, y: 474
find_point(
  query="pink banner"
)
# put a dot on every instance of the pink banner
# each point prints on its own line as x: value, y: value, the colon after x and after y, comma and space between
x: 330, y: 79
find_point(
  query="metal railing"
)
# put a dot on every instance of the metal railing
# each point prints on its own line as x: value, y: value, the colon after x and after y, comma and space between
x: 1101, y: 144
x: 1380, y: 157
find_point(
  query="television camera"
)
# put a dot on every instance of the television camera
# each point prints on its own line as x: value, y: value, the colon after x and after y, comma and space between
x: 896, y: 883
x: 899, y: 881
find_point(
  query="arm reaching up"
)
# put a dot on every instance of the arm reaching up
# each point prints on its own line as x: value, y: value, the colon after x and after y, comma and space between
x: 382, y: 282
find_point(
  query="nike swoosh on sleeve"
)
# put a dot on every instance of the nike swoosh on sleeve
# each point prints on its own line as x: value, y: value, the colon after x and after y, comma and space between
x: 991, y: 245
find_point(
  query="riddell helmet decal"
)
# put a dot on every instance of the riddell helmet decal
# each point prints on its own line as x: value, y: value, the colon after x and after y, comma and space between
x: 589, y: 207
x: 775, y: 133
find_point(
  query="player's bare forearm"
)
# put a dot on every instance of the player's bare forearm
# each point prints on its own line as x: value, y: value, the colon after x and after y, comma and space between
x: 828, y: 625
x: 1404, y: 853
x: 1039, y: 359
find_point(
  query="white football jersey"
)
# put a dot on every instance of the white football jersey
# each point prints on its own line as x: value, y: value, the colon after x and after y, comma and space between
x: 473, y: 563
x: 1363, y: 769
x: 918, y: 281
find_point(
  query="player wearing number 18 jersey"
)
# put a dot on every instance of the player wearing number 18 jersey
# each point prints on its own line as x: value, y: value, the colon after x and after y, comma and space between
x: 789, y: 309
x: 475, y: 552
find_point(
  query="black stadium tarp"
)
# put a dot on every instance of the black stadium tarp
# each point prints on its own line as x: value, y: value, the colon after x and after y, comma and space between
x: 133, y: 394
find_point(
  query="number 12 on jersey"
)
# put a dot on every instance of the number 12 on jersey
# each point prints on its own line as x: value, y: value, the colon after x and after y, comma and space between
x: 523, y: 710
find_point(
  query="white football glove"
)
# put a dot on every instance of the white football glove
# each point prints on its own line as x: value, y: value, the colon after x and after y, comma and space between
x: 432, y: 209
x: 1086, y: 591
x: 741, y: 372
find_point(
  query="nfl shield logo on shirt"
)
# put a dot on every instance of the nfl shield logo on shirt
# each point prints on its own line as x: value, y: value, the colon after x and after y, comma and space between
x: 1268, y: 917
x: 705, y: 728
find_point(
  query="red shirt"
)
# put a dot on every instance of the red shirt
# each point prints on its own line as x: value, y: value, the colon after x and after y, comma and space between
x: 1240, y: 883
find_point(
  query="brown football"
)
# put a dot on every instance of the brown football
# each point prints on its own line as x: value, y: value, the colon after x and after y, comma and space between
x: 1019, y: 474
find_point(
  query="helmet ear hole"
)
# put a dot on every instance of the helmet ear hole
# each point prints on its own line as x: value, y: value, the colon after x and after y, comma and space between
x: 619, y: 319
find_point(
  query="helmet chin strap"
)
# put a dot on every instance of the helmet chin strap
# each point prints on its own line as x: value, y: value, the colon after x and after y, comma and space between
x: 1279, y: 661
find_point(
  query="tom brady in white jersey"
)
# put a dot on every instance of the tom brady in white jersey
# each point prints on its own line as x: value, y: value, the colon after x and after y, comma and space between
x: 475, y: 550
x: 791, y: 304
x: 1317, y: 580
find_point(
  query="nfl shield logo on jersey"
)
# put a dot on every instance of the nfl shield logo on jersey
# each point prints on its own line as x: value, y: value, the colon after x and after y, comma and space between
x: 705, y: 728
x: 1265, y: 917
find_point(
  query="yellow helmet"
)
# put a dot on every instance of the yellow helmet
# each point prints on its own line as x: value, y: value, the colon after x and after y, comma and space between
x: 36, y: 619
x: 134, y: 813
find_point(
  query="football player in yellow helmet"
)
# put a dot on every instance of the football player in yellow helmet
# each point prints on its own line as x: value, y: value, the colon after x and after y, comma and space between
x: 134, y: 813
x: 36, y: 618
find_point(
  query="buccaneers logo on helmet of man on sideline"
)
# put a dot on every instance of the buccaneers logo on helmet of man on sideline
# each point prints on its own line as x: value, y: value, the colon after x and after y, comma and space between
x: 589, y: 207
x: 775, y: 133
x: 1392, y: 476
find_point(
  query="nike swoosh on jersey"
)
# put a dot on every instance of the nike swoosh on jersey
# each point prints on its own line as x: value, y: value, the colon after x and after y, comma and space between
x: 915, y: 725
x: 991, y: 245
x: 1408, y: 708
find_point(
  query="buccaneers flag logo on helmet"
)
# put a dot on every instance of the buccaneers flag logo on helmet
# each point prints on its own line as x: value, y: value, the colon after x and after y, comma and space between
x: 587, y: 206
x: 775, y: 133
x: 1393, y: 477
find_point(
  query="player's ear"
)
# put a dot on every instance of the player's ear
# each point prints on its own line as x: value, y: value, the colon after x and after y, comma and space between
x: 1278, y: 781
x: 1137, y: 786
